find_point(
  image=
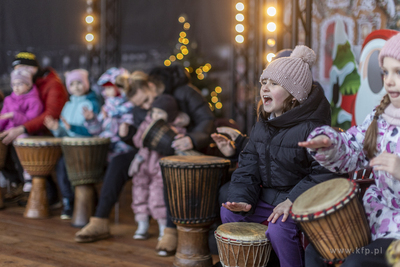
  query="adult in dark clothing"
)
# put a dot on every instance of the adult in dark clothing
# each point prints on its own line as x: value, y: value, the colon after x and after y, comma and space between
x: 273, y: 171
x: 169, y: 80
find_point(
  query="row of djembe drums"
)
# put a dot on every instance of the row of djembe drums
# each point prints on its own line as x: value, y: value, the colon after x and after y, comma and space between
x: 85, y: 160
x: 329, y: 213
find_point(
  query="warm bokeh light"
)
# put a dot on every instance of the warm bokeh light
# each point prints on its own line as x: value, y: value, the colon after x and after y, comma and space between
x: 185, y: 41
x: 214, y: 99
x: 190, y: 69
x: 218, y: 89
x: 239, y: 38
x: 271, y: 11
x: 89, y: 19
x: 182, y: 34
x: 239, y: 6
x: 271, y: 26
x: 181, y: 40
x: 167, y: 62
x: 89, y: 37
x: 239, y: 17
x: 218, y: 105
x: 182, y: 19
x: 198, y: 71
x: 239, y: 28
x: 183, y: 47
x: 271, y: 42
x: 208, y: 65
x: 270, y: 56
x: 211, y: 106
x: 179, y: 56
x: 185, y: 51
x: 172, y: 58
x: 205, y: 69
x: 213, y: 93
x: 200, y: 76
x: 186, y: 26
x: 187, y: 69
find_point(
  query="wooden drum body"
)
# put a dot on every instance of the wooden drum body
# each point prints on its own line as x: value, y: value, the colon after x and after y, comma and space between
x: 85, y: 160
x: 38, y: 156
x: 243, y: 244
x: 333, y: 218
x: 192, y: 184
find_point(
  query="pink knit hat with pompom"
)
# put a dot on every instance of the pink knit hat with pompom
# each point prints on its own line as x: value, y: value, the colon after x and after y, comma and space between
x: 294, y: 72
x: 390, y: 49
x: 81, y: 75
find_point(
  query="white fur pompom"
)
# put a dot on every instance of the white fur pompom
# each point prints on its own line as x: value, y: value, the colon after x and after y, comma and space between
x: 305, y: 53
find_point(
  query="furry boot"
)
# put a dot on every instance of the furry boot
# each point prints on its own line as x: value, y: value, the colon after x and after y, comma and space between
x: 168, y: 243
x: 96, y: 229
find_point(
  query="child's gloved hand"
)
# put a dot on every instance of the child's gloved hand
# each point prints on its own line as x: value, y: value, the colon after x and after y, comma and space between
x: 225, y: 145
x: 51, y: 123
x: 236, y: 206
x: 182, y: 143
x: 387, y: 162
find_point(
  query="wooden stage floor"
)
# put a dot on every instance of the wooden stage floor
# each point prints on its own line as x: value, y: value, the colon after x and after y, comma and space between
x: 50, y: 242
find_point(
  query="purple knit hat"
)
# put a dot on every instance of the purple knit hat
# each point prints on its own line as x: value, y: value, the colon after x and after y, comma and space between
x: 77, y: 75
x: 390, y: 49
x: 294, y: 72
x: 23, y: 75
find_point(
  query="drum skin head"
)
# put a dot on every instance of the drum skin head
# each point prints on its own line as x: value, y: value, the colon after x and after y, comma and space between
x: 322, y: 196
x: 193, y: 160
x: 243, y: 231
x: 38, y: 141
x: 85, y: 141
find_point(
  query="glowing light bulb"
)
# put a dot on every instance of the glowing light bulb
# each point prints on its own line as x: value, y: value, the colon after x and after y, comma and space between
x: 239, y: 38
x: 239, y: 6
x: 239, y: 28
x: 271, y: 11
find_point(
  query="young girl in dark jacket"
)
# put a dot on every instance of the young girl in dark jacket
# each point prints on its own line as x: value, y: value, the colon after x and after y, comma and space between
x: 273, y: 170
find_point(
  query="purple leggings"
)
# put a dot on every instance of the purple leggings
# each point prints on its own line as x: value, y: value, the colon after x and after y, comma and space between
x: 284, y: 236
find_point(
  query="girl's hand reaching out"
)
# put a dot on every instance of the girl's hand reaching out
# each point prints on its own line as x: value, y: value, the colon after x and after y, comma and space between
x: 317, y: 142
x: 236, y: 206
x: 387, y: 162
x: 88, y: 114
x: 50, y: 123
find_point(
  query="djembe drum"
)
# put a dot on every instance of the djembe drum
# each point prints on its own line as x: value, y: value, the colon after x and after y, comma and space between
x: 38, y: 156
x: 159, y: 137
x: 333, y: 218
x: 243, y: 244
x: 192, y: 184
x: 85, y: 160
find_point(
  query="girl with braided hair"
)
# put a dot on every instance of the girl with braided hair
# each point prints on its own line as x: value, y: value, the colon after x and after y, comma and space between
x: 374, y: 143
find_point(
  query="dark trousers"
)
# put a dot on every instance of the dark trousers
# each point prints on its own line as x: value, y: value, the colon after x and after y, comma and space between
x: 114, y: 180
x: 13, y: 170
x: 63, y: 182
x: 370, y: 255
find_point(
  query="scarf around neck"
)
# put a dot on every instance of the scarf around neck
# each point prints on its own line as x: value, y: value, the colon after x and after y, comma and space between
x: 392, y: 115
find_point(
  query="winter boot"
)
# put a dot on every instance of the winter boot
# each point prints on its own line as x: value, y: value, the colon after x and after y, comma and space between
x: 162, y: 224
x: 143, y: 226
x: 168, y: 243
x: 96, y: 229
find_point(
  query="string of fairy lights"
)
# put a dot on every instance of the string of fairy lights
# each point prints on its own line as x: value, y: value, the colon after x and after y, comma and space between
x: 270, y: 20
x: 201, y: 71
x: 90, y: 21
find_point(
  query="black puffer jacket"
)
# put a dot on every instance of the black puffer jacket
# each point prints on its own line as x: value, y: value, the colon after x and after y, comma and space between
x: 272, y: 158
x: 190, y: 101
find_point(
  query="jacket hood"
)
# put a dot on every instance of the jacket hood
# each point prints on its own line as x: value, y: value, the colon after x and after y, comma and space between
x: 315, y: 108
x: 29, y: 94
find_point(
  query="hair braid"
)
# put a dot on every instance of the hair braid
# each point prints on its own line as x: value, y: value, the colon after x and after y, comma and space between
x: 371, y: 135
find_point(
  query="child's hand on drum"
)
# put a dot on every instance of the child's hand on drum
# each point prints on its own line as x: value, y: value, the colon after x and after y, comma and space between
x: 134, y: 167
x: 88, y: 114
x: 281, y: 208
x: 233, y: 133
x: 182, y: 143
x: 317, y: 142
x: 236, y: 206
x: 387, y: 162
x: 51, y: 123
x: 225, y: 145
